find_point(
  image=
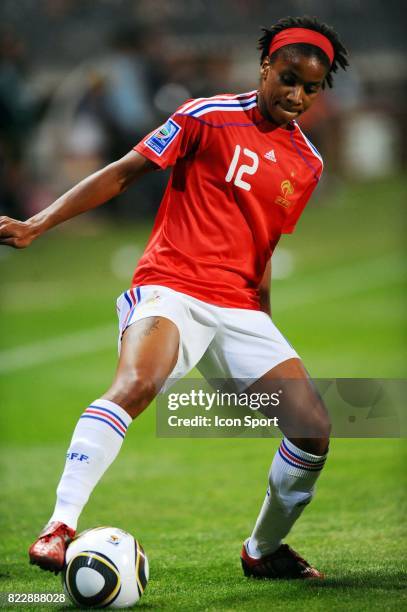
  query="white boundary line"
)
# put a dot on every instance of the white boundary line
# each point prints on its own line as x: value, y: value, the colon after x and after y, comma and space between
x: 59, y: 347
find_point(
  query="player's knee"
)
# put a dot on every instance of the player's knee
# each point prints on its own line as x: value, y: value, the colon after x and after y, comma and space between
x: 141, y: 390
x: 133, y: 391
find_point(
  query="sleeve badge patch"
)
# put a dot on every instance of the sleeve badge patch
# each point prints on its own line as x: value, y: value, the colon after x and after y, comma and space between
x: 163, y: 137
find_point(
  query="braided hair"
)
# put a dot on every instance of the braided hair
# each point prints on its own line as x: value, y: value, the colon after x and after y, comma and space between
x: 312, y: 23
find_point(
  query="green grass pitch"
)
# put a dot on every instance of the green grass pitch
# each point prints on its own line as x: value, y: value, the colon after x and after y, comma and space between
x: 192, y: 502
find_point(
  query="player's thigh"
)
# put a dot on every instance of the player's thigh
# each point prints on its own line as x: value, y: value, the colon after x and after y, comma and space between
x: 195, y: 323
x: 150, y: 347
x: 149, y: 352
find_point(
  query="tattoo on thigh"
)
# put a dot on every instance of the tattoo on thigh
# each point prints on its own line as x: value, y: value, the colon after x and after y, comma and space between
x: 153, y: 326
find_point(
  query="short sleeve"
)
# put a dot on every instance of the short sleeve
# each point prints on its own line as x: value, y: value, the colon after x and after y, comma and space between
x: 175, y: 139
x: 295, y: 214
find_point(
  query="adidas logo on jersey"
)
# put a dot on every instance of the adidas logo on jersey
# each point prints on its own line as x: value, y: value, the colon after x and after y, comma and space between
x: 271, y: 155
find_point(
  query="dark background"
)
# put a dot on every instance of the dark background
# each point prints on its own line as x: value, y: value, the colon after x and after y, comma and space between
x: 81, y: 81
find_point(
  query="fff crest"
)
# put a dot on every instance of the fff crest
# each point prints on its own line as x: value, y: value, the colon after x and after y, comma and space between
x: 287, y: 190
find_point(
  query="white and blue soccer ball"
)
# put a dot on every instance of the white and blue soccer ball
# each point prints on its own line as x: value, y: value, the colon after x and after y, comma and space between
x: 105, y: 567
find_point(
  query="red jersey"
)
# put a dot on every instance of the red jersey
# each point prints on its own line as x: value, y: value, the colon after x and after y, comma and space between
x: 238, y: 182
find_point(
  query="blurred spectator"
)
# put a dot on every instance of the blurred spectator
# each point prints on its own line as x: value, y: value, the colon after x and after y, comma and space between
x: 125, y: 107
x: 18, y: 113
x: 128, y: 88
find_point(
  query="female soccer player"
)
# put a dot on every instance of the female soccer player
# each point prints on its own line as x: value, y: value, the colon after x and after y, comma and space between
x: 242, y: 174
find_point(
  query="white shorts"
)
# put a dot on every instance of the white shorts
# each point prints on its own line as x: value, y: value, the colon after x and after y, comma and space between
x: 223, y: 343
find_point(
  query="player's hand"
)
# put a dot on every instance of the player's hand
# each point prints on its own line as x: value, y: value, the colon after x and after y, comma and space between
x: 17, y: 234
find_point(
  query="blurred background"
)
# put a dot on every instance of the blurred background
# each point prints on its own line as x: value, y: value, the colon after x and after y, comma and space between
x: 81, y: 81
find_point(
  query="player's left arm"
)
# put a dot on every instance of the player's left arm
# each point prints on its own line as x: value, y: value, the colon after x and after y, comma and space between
x: 264, y: 290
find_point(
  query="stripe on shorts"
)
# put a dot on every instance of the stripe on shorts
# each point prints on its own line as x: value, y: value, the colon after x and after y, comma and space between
x: 133, y: 297
x: 299, y: 462
x: 106, y: 416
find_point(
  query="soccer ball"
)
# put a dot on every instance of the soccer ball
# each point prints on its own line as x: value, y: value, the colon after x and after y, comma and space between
x: 105, y: 567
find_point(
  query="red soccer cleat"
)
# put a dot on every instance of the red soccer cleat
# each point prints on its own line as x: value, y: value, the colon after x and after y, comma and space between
x: 282, y: 563
x: 48, y: 551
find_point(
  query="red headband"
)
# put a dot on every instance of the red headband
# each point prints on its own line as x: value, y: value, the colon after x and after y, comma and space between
x: 291, y: 36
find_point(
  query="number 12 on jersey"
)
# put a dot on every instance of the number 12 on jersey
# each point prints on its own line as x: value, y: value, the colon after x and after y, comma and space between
x: 243, y: 168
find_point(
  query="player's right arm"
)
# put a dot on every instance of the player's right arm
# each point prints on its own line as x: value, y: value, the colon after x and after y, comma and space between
x: 91, y: 192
